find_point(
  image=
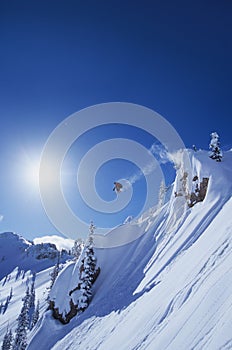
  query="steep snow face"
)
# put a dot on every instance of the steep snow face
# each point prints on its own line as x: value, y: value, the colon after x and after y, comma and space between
x: 171, y: 288
x: 15, y: 251
x: 12, y: 249
x: 13, y: 289
x: 21, y: 263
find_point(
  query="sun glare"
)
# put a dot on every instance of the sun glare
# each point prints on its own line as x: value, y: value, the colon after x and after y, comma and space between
x: 32, y: 174
x: 26, y: 171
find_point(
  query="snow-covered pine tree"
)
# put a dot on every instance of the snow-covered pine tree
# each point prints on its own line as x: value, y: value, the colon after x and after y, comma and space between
x: 26, y: 307
x: 194, y: 148
x: 214, y: 146
x: 32, y: 296
x: 90, y: 260
x: 88, y: 272
x: 77, y: 248
x: 20, y: 342
x: 7, y: 340
x: 35, y: 316
x: 83, y: 300
x: 55, y: 272
x: 11, y: 293
x: 162, y: 192
x: 31, y: 304
x: 185, y: 184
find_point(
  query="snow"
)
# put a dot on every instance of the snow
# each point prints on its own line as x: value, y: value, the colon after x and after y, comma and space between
x: 165, y: 280
x: 60, y: 242
x: 15, y: 251
x: 19, y: 261
x: 18, y: 282
x: 68, y: 279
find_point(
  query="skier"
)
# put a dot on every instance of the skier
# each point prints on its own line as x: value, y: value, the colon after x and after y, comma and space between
x: 117, y: 186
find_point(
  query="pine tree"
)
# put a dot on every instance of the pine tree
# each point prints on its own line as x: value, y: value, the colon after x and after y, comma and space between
x: 55, y: 272
x: 35, y: 316
x: 83, y: 300
x: 20, y: 342
x: 77, y: 248
x: 7, y: 340
x: 185, y: 184
x: 11, y: 293
x: 21, y: 331
x: 162, y: 192
x: 88, y: 272
x: 194, y: 148
x: 214, y: 145
x: 32, y: 296
x: 31, y: 303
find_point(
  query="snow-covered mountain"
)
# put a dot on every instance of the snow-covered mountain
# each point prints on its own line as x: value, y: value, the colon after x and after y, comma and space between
x: 15, y: 251
x: 171, y: 288
x: 21, y: 263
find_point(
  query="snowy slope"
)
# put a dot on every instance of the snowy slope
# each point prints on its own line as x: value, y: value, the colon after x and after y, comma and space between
x: 21, y: 262
x: 15, y: 251
x: 17, y: 282
x: 171, y: 288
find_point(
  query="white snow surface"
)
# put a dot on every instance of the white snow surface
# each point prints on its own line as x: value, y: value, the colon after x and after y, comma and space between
x: 15, y: 251
x: 60, y: 242
x: 171, y: 288
x: 21, y: 262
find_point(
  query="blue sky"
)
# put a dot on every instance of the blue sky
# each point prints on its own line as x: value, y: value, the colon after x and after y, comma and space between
x: 58, y: 57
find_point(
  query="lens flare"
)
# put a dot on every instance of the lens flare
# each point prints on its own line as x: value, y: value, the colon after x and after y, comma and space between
x: 72, y: 128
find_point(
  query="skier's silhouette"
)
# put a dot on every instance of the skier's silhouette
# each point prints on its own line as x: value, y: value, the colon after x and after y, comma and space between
x: 117, y: 186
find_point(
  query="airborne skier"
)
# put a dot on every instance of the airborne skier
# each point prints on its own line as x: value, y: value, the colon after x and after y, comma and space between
x: 117, y: 186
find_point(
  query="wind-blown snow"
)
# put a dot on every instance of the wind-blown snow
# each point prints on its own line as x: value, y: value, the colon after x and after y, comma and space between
x: 171, y: 288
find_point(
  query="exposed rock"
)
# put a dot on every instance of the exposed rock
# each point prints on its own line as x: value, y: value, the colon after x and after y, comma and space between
x: 200, y: 191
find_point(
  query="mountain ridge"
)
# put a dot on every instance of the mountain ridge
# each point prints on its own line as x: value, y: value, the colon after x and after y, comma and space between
x: 16, y: 251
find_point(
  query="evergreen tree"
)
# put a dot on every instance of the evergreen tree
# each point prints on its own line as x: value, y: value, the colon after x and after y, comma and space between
x: 55, y: 272
x: 84, y: 298
x: 194, y: 148
x: 185, y: 184
x: 20, y: 342
x: 77, y: 248
x: 35, y: 316
x: 214, y: 145
x: 32, y: 296
x: 88, y: 272
x: 21, y: 331
x: 6, y: 304
x: 11, y: 293
x: 162, y: 192
x: 31, y: 303
x: 7, y: 340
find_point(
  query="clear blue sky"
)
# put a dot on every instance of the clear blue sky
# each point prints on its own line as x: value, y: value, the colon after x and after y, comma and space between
x: 58, y: 57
